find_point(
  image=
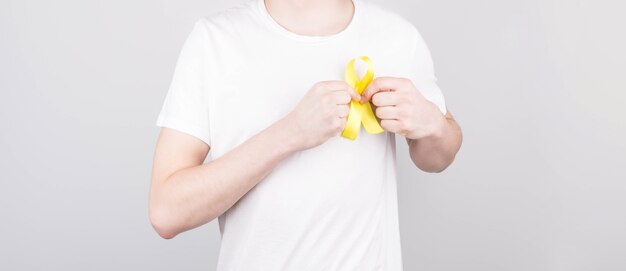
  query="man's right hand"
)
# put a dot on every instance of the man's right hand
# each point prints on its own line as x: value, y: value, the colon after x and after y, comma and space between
x: 186, y: 193
x: 321, y: 113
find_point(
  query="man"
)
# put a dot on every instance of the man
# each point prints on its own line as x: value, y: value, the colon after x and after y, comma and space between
x: 261, y: 86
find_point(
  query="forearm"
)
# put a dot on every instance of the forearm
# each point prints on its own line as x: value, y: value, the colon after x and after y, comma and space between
x: 194, y: 196
x: 437, y: 152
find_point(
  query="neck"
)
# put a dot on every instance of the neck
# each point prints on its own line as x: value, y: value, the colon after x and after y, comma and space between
x: 311, y: 17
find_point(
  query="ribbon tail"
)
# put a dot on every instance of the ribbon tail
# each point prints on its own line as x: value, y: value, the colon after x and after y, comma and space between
x: 353, y: 122
x: 369, y: 120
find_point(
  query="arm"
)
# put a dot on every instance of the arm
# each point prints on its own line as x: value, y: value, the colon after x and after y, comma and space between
x: 436, y: 152
x: 185, y: 193
x: 433, y: 138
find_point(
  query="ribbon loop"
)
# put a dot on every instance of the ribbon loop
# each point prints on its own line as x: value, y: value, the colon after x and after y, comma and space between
x: 360, y: 112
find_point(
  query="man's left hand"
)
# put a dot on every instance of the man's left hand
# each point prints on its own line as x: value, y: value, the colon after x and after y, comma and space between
x: 402, y: 109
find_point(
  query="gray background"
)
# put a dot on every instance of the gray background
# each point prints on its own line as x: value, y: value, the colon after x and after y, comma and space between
x: 537, y: 86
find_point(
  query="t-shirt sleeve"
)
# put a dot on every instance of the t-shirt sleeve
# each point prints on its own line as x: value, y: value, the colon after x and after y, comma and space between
x: 186, y: 107
x: 422, y: 72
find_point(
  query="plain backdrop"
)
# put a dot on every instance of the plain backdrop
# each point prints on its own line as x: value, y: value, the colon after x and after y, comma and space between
x: 537, y: 86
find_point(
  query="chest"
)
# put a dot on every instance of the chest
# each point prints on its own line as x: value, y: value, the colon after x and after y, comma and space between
x: 263, y: 84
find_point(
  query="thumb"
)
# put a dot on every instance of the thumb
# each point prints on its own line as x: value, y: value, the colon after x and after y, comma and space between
x: 355, y: 95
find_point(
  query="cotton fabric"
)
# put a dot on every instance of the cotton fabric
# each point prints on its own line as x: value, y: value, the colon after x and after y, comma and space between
x: 331, y: 207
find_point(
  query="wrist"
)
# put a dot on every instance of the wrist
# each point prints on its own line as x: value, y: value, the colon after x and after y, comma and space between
x: 434, y: 131
x: 285, y: 137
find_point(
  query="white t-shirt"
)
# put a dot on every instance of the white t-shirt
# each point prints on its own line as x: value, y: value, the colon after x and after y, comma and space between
x: 331, y: 207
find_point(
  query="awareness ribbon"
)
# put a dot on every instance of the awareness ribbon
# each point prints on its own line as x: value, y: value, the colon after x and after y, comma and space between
x: 360, y: 112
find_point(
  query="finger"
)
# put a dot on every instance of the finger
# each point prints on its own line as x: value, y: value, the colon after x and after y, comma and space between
x: 331, y: 85
x: 386, y: 98
x: 351, y: 93
x: 344, y: 122
x: 343, y: 111
x: 387, y: 112
x: 335, y: 85
x: 390, y: 125
x: 381, y: 84
x: 339, y: 97
x: 355, y: 95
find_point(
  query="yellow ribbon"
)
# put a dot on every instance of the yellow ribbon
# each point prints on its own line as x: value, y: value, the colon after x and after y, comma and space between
x: 360, y: 112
